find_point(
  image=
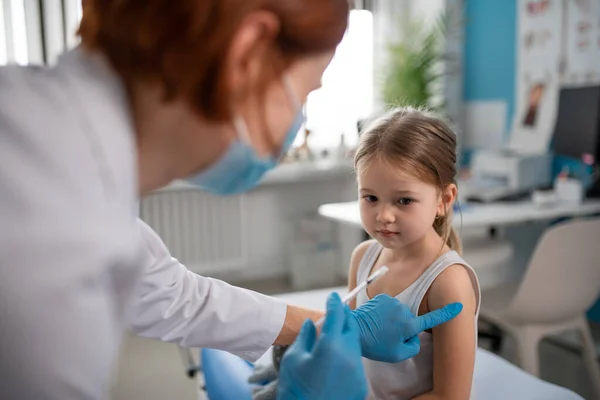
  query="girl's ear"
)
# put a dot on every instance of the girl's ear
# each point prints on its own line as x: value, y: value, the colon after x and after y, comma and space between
x: 446, y: 199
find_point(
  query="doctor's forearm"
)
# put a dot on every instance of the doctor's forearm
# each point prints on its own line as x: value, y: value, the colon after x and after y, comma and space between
x: 294, y: 318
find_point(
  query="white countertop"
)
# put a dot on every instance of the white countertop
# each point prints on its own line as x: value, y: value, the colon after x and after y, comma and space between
x: 293, y: 172
x: 479, y: 215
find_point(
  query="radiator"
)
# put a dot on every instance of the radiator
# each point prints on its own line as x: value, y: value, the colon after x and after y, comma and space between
x: 202, y: 231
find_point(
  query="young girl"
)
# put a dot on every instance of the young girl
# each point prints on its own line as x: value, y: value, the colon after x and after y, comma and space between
x: 406, y: 168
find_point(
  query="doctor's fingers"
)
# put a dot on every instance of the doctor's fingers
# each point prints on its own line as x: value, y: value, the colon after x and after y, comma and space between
x: 412, y: 347
x: 437, y: 317
x: 305, y: 340
x: 350, y: 325
x: 335, y: 318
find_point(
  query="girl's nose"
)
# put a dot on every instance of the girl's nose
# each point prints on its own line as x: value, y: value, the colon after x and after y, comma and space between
x: 385, y: 214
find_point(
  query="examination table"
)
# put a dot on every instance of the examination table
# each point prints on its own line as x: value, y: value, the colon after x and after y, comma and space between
x: 226, y: 375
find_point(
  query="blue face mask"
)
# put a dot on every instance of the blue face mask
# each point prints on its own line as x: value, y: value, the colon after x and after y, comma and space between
x: 240, y: 168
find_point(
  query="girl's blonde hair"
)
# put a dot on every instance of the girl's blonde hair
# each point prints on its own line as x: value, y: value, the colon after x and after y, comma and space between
x: 424, y: 145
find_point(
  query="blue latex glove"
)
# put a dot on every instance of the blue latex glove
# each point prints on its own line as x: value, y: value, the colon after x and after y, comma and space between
x: 388, y: 329
x: 328, y: 367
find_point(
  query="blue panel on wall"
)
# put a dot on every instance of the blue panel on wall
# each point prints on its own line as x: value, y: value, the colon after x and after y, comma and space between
x: 490, y: 51
x: 594, y: 313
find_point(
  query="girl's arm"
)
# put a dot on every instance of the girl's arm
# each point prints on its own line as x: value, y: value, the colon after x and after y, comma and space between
x: 454, y: 342
x: 357, y: 255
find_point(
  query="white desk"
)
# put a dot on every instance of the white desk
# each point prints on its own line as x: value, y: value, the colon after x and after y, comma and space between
x: 479, y: 215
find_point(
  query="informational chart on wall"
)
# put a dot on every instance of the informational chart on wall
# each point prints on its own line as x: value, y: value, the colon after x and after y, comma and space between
x: 581, y: 43
x: 538, y: 74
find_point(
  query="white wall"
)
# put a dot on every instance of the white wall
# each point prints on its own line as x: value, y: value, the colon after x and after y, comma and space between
x: 427, y: 9
x: 273, y: 211
x: 211, y: 236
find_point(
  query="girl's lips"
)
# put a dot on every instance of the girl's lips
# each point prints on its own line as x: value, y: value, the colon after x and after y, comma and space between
x: 386, y: 233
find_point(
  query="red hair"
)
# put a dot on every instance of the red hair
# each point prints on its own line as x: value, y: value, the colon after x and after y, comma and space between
x: 183, y: 44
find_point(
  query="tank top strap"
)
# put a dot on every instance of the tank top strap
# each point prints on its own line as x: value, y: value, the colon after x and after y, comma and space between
x: 413, y: 295
x: 368, y: 260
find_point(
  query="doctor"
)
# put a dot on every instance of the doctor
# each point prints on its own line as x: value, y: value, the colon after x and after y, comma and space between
x: 207, y: 90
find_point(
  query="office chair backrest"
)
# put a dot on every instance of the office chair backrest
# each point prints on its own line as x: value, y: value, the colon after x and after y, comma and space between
x: 563, y: 277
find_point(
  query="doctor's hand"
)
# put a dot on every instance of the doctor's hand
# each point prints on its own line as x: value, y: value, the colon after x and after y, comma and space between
x: 328, y: 366
x: 388, y: 328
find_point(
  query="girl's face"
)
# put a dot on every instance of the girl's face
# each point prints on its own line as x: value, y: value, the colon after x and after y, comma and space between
x: 396, y: 208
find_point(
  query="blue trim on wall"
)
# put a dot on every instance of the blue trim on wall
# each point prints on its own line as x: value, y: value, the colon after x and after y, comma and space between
x: 490, y: 52
x: 594, y: 313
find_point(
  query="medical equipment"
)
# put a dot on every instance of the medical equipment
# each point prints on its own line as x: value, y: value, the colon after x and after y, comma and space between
x: 543, y: 198
x: 363, y: 285
x: 569, y: 190
x: 503, y: 174
x: 577, y: 131
x: 241, y: 168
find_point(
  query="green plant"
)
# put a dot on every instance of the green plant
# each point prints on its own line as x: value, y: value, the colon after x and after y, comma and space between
x: 413, y: 74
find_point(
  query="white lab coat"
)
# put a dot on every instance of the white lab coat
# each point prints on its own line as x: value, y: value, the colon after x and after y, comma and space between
x: 77, y: 267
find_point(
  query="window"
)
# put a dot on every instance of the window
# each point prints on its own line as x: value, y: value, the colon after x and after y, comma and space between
x: 13, y: 37
x: 37, y: 32
x: 72, y: 13
x: 347, y: 92
x: 18, y: 30
x: 3, y: 55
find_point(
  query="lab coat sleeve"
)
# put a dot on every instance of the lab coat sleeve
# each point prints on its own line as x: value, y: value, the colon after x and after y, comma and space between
x: 176, y: 305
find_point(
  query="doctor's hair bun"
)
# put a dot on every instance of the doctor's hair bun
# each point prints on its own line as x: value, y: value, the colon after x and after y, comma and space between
x: 184, y: 45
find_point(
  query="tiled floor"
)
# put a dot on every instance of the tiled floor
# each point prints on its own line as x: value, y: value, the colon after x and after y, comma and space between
x: 151, y: 370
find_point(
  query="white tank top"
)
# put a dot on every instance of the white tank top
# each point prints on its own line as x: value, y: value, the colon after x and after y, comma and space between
x: 412, y: 377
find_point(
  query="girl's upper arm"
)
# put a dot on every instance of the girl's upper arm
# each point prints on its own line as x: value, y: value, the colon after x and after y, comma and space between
x: 454, y: 342
x: 357, y: 255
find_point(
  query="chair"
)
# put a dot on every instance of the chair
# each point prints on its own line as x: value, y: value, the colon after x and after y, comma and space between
x: 490, y: 258
x: 562, y: 281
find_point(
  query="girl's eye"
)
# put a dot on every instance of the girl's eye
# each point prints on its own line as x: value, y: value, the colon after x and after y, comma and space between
x: 405, y: 201
x: 370, y: 198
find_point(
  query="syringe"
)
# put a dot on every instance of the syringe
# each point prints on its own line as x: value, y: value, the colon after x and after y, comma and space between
x: 364, y: 284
